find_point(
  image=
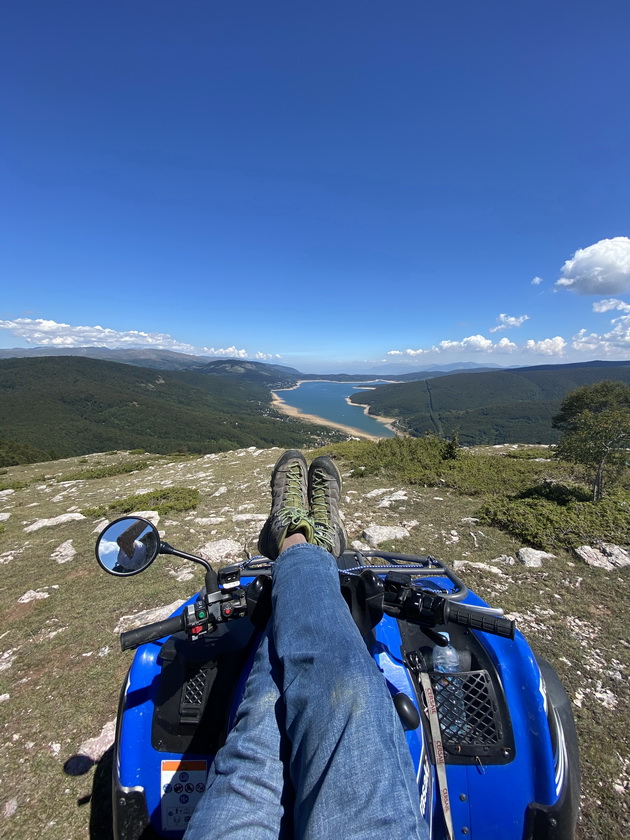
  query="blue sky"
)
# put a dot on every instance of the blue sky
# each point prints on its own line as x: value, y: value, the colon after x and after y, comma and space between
x: 327, y: 185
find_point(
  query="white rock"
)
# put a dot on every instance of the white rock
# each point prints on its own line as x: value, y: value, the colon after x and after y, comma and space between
x: 209, y: 520
x: 360, y: 546
x: 532, y: 558
x: 10, y: 808
x: 4, y: 517
x: 4, y: 698
x: 470, y: 520
x: 249, y: 517
x: 484, y: 567
x: 504, y: 558
x: 6, y: 659
x: 64, y: 553
x: 606, y: 556
x: 220, y: 491
x: 181, y: 575
x: 398, y: 496
x: 101, y: 523
x: 376, y: 534
x: 56, y: 520
x: 94, y: 748
x: 152, y: 515
x: 219, y: 551
x: 381, y: 492
x: 130, y: 622
x: 33, y: 595
x: 8, y: 492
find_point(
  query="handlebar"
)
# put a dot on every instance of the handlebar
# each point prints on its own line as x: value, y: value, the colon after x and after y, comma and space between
x: 429, y: 609
x: 478, y: 620
x: 151, y: 632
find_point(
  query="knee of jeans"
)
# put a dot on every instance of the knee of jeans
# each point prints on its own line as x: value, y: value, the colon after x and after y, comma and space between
x: 357, y: 687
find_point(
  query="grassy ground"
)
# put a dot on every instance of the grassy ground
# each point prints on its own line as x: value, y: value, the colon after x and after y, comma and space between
x: 61, y: 669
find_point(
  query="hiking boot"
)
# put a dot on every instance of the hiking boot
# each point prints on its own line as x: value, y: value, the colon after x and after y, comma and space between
x: 324, y: 490
x: 289, y: 505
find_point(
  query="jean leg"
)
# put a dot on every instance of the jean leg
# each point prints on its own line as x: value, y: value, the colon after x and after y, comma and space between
x: 350, y: 765
x: 246, y: 797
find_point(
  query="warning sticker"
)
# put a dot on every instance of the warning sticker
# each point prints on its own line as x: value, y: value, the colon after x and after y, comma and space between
x: 183, y: 783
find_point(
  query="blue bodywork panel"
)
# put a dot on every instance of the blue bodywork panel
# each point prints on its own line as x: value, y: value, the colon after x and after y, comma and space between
x: 488, y: 802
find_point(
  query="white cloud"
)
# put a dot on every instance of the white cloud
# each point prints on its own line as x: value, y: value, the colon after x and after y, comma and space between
x: 600, y: 269
x: 609, y: 304
x: 472, y: 342
x: 537, y: 281
x: 476, y: 343
x: 547, y: 346
x: 46, y: 333
x: 506, y: 346
x: 504, y: 321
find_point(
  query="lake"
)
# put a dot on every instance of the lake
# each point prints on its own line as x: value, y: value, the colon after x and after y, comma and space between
x: 327, y: 400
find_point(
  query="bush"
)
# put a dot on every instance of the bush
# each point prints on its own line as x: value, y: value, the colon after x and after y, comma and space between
x: 429, y: 461
x: 164, y: 501
x: 551, y: 525
x: 107, y: 471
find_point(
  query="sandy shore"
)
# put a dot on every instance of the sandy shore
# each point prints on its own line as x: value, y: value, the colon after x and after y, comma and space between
x: 290, y: 410
x: 388, y: 422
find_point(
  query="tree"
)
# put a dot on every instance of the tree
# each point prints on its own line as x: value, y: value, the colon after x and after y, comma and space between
x: 595, y: 420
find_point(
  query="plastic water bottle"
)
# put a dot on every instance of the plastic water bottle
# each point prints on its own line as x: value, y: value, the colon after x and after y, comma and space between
x: 450, y: 692
x: 445, y: 659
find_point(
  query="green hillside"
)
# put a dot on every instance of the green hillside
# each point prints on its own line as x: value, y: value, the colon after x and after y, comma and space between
x: 72, y: 406
x: 503, y: 406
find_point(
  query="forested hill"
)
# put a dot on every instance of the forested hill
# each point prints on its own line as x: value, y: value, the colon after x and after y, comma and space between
x: 73, y: 406
x: 503, y: 406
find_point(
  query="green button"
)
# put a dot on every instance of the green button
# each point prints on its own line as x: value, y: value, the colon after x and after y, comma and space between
x: 201, y: 614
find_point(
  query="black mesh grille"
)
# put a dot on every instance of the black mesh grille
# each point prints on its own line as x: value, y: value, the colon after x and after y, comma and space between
x: 468, y: 711
x: 193, y: 693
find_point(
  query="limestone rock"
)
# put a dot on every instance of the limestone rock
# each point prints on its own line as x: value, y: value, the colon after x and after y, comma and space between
x: 152, y: 515
x: 504, y: 558
x: 376, y: 534
x: 532, y: 558
x: 130, y: 622
x: 606, y: 556
x: 95, y: 747
x: 64, y: 552
x: 398, y: 496
x: 221, y: 551
x: 56, y: 520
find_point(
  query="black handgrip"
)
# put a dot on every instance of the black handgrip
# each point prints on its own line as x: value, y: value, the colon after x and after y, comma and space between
x: 150, y: 632
x: 477, y: 620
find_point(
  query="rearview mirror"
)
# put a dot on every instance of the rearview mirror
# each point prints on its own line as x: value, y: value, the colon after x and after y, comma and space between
x: 128, y: 546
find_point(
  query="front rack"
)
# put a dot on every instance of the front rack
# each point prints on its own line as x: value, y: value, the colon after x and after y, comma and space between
x: 352, y: 562
x: 418, y: 566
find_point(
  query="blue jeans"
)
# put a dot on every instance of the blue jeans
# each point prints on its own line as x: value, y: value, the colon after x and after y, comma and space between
x: 317, y: 750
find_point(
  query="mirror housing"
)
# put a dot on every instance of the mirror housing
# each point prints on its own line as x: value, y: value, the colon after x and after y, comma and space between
x: 127, y: 546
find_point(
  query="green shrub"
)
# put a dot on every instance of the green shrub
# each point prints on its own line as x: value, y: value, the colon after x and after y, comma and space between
x: 530, y: 454
x: 429, y: 461
x: 137, y: 451
x: 165, y: 501
x: 12, y: 485
x: 551, y: 525
x: 107, y: 471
